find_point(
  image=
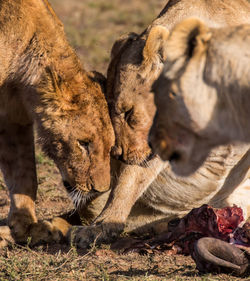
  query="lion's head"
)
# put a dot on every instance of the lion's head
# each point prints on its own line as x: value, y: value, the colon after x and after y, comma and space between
x: 201, y: 95
x: 78, y: 135
x: 135, y: 63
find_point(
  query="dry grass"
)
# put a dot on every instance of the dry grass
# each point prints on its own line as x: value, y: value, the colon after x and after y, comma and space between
x: 62, y: 263
x: 92, y: 27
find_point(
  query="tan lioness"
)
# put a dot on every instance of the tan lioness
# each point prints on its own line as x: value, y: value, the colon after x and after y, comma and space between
x: 42, y: 84
x: 203, y: 93
x: 136, y: 61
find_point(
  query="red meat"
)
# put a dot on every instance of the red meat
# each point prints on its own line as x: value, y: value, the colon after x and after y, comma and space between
x: 200, y: 222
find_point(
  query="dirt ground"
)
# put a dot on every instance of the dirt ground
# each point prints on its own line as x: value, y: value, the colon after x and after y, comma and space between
x: 92, y: 27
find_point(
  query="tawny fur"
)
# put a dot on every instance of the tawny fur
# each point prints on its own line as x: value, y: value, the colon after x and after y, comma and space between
x: 136, y: 61
x: 208, y: 70
x: 43, y: 84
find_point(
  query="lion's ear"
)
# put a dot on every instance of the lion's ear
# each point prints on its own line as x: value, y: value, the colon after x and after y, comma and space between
x: 154, y: 51
x: 155, y: 44
x: 120, y: 43
x: 187, y: 39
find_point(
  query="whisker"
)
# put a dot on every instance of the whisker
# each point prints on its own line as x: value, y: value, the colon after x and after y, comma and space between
x: 77, y: 197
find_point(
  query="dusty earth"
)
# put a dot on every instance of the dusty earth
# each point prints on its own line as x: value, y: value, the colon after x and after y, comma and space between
x: 92, y: 27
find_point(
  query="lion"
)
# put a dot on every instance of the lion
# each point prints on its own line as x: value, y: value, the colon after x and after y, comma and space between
x: 147, y: 193
x: 44, y: 86
x: 203, y: 93
x: 137, y: 61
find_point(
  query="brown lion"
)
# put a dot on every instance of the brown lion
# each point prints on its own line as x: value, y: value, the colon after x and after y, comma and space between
x: 43, y: 85
x: 203, y: 93
x: 146, y: 196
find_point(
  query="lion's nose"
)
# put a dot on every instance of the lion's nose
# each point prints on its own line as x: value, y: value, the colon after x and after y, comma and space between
x: 116, y: 151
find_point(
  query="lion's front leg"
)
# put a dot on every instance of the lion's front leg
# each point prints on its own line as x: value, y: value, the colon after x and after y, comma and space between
x: 17, y: 162
x: 132, y: 182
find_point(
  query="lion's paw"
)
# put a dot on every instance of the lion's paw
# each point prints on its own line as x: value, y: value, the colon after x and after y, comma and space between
x: 61, y: 225
x: 44, y: 232
x: 35, y: 233
x: 84, y: 236
x: 5, y: 236
x: 19, y: 223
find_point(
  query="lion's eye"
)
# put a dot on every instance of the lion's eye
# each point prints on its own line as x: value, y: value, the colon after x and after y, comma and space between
x: 84, y: 145
x: 130, y: 118
x: 172, y: 95
x: 128, y: 114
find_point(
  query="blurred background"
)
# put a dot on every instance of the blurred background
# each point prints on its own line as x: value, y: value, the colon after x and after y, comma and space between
x: 92, y: 26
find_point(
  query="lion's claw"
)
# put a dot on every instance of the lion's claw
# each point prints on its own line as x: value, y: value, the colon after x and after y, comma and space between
x: 84, y: 236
